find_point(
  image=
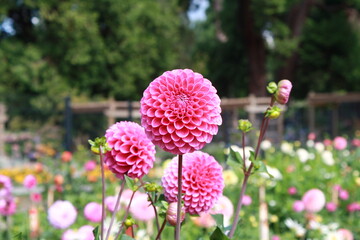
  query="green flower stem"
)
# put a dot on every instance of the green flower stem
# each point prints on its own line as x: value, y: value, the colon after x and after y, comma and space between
x: 116, y: 208
x: 178, y: 222
x: 126, y: 213
x: 161, y: 229
x: 103, y: 194
x: 247, y: 172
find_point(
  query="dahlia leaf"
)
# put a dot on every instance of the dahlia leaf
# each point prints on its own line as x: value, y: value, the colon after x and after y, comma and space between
x: 96, y: 233
x: 252, y: 156
x: 126, y: 237
x: 219, y: 219
x: 18, y: 236
x: 263, y: 169
x: 235, y: 156
x: 218, y: 235
x: 130, y: 183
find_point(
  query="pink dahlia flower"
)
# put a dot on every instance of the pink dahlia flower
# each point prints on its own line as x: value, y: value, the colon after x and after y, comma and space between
x: 343, y: 194
x: 202, y: 180
x: 92, y: 212
x: 61, y: 214
x: 5, y: 186
x: 283, y: 92
x: 90, y: 165
x: 83, y: 233
x: 292, y: 190
x: 180, y: 111
x: 171, y: 214
x: 298, y: 206
x: 314, y: 200
x: 30, y: 181
x: 353, y: 207
x: 36, y: 197
x: 7, y: 206
x: 110, y: 203
x: 247, y: 200
x: 331, y: 206
x: 345, y: 234
x: 132, y: 152
x: 340, y: 143
x: 141, y: 209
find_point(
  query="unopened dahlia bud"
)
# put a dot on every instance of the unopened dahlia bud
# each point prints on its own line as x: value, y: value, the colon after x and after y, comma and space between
x: 283, y: 92
x: 273, y: 112
x: 272, y: 87
x: 245, y: 125
x: 171, y: 214
x: 129, y: 222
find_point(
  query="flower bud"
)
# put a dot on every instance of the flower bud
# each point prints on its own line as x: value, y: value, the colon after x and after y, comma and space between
x: 171, y: 214
x: 245, y: 125
x: 273, y: 112
x: 152, y: 187
x: 272, y: 87
x: 129, y: 222
x: 283, y: 92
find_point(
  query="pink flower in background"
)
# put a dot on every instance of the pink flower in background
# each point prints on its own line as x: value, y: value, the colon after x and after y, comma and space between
x: 283, y: 92
x: 246, y: 201
x: 62, y: 214
x: 327, y: 142
x: 355, y: 142
x: 66, y: 156
x: 331, y: 206
x: 275, y: 237
x: 337, y: 187
x: 36, y: 197
x: 340, y: 143
x: 298, y: 206
x: 202, y: 179
x: 314, y: 200
x: 7, y: 206
x: 223, y: 206
x: 92, y: 212
x: 110, y: 202
x: 292, y: 190
x: 90, y: 165
x: 343, y: 194
x: 132, y: 152
x: 180, y: 111
x: 5, y: 186
x: 141, y: 209
x: 345, y: 234
x: 83, y: 233
x: 30, y: 181
x: 311, y: 136
x: 204, y: 220
x: 353, y: 207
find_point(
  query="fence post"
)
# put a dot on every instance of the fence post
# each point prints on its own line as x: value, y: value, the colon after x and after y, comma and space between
x: 3, y: 119
x: 68, y: 124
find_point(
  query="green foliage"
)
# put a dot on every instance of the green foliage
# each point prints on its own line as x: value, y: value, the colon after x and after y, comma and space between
x: 218, y: 235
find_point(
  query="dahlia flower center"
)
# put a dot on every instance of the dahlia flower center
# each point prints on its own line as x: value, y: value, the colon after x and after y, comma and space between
x: 181, y: 101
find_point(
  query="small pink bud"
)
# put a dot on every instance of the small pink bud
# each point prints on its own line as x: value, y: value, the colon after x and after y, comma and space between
x: 292, y: 190
x: 298, y: 206
x: 171, y: 213
x: 340, y: 143
x: 283, y: 92
x: 343, y: 194
x: 246, y: 201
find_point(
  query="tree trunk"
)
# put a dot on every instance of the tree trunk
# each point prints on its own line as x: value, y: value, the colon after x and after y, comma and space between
x: 255, y: 49
x: 296, y: 21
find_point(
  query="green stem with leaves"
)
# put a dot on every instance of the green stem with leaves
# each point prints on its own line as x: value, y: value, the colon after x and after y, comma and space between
x: 103, y: 194
x: 178, y: 212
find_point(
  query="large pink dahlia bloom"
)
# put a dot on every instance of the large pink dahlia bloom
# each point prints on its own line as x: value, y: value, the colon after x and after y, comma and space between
x: 180, y: 111
x: 132, y: 152
x: 202, y: 180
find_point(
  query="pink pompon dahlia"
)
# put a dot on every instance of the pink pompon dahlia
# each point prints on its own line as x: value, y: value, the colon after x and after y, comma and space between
x: 132, y: 154
x: 283, y: 92
x: 92, y: 212
x: 180, y: 111
x: 62, y: 214
x: 5, y: 186
x: 30, y: 181
x: 202, y: 180
x: 314, y: 200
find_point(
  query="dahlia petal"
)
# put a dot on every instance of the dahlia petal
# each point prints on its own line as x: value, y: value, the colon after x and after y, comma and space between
x: 182, y: 132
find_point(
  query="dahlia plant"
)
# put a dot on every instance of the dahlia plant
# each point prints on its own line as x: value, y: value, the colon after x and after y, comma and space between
x: 180, y: 113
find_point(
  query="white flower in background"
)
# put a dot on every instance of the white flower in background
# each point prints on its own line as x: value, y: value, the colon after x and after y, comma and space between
x: 346, y: 153
x: 307, y: 168
x: 311, y: 156
x: 320, y: 147
x: 303, y: 155
x: 287, y: 148
x: 142, y: 234
x: 333, y: 236
x: 328, y: 158
x: 114, y: 228
x: 296, y: 227
x: 265, y: 145
x: 310, y: 143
